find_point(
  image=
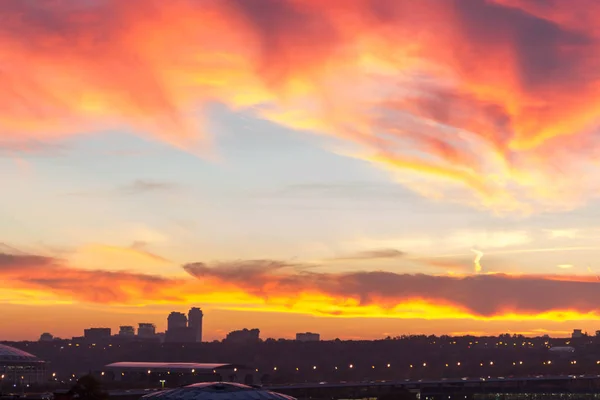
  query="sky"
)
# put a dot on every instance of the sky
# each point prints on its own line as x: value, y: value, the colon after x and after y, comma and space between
x: 357, y: 168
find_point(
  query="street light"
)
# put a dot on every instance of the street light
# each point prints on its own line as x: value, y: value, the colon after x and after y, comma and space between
x: 162, y: 383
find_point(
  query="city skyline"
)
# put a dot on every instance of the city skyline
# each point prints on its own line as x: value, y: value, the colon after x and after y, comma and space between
x: 357, y: 168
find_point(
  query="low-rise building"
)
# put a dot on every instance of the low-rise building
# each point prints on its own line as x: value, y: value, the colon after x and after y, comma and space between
x: 176, y: 374
x: 19, y: 368
x: 146, y: 330
x: 127, y: 332
x: 308, y: 337
x: 243, y: 336
x: 96, y: 334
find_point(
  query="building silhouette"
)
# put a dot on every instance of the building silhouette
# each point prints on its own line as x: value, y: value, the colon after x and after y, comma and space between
x: 243, y: 336
x: 308, y: 337
x: 127, y: 331
x: 146, y: 330
x: 181, y: 329
x: 176, y: 320
x: 92, y: 334
x: 46, y: 337
x: 195, y: 316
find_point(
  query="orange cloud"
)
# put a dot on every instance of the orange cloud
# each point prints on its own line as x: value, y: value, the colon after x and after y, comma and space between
x: 39, y: 278
x: 484, y: 101
x: 267, y: 285
x: 487, y: 297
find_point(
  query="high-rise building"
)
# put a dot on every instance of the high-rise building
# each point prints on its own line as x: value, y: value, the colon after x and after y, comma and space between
x: 195, y: 316
x: 177, y: 329
x: 308, y: 337
x: 176, y: 320
x: 577, y: 333
x: 127, y: 331
x: 146, y: 330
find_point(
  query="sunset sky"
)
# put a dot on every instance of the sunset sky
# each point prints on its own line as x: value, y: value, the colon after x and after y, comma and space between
x: 358, y: 168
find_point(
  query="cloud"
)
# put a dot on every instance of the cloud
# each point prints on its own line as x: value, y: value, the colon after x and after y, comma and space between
x: 6, y: 249
x: 477, y: 260
x: 54, y: 276
x: 116, y: 258
x: 272, y: 285
x: 143, y: 186
x: 474, y: 296
x: 493, y: 103
x: 136, y: 187
x: 372, y: 255
x: 452, y: 241
x: 565, y: 266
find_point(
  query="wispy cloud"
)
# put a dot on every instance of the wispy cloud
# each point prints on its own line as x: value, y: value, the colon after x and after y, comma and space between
x: 141, y: 186
x: 6, y: 249
x: 470, y: 113
x: 565, y: 266
x: 371, y: 255
x: 137, y: 187
x: 477, y: 260
x: 55, y: 277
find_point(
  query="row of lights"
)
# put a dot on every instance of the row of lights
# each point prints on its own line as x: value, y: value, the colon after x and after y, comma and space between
x: 351, y: 366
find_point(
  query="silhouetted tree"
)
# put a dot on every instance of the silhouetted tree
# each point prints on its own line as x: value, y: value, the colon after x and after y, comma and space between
x: 88, y: 388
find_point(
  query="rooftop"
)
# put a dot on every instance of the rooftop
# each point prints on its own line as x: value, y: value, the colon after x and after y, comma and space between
x: 11, y: 354
x: 171, y: 366
x: 217, y: 391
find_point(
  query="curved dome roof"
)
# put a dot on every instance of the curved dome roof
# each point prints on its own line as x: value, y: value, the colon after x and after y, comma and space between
x: 217, y: 391
x: 10, y: 354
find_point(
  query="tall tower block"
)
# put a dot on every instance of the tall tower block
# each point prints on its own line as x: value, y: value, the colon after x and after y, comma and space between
x: 195, y: 316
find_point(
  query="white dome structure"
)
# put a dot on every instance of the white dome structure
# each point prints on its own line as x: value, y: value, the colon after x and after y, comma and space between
x: 15, y: 356
x: 19, y: 368
x: 216, y: 391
